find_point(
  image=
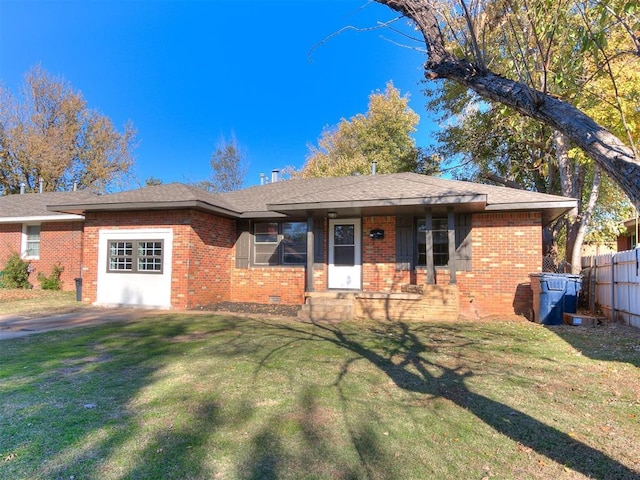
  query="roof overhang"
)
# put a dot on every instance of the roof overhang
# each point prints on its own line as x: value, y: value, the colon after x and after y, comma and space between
x: 388, y: 206
x: 550, y: 210
x: 83, y: 208
x: 43, y: 218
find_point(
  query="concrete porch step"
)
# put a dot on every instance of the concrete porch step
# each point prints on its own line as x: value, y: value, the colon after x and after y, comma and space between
x: 328, y: 307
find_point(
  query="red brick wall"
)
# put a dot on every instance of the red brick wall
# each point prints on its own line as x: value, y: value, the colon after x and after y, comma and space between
x: 379, y: 257
x: 506, y: 248
x: 60, y: 242
x: 10, y: 240
x: 258, y: 284
x: 201, y: 260
x: 212, y: 241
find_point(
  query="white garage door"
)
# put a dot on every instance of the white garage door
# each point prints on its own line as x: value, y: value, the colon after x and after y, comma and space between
x: 134, y: 267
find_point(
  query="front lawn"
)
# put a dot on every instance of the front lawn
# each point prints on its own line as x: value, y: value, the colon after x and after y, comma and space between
x: 183, y: 396
x: 16, y: 301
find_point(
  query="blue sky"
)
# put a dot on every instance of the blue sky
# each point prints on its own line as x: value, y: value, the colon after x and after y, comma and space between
x: 189, y: 73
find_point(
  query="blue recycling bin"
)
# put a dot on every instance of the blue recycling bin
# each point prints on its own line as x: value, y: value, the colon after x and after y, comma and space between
x: 554, y: 294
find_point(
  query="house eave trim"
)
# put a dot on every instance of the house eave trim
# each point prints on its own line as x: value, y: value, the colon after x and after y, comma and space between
x: 566, y: 205
x: 390, y: 202
x: 131, y: 206
x: 43, y: 218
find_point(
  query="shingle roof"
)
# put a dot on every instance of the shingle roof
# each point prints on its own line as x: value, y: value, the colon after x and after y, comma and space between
x: 165, y: 196
x: 35, y: 204
x: 361, y: 194
x: 382, y: 190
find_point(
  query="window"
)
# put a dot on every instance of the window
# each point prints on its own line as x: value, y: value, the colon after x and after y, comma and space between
x: 294, y: 243
x: 280, y: 243
x: 135, y: 256
x: 440, y: 242
x: 411, y: 245
x: 266, y: 243
x: 32, y: 241
x: 150, y: 256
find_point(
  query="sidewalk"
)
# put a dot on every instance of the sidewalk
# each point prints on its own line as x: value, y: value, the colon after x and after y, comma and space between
x: 13, y: 326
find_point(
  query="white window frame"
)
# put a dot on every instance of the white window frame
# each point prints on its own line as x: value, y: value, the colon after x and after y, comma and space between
x: 25, y: 241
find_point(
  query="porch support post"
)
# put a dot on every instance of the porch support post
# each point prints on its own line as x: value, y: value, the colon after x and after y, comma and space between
x: 451, y: 231
x: 428, y: 232
x: 310, y: 253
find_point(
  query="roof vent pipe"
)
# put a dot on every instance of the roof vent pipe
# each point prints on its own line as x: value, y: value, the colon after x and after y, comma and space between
x: 262, y: 179
x: 75, y: 186
x: 22, y: 185
x: 374, y: 166
x: 41, y: 185
x: 275, y: 176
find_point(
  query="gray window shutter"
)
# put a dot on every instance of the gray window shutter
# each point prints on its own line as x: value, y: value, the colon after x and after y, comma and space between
x: 404, y: 243
x: 318, y: 237
x: 243, y: 243
x: 463, y: 242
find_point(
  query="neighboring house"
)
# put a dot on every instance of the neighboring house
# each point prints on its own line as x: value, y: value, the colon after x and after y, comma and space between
x: 628, y: 238
x: 400, y: 246
x: 42, y: 237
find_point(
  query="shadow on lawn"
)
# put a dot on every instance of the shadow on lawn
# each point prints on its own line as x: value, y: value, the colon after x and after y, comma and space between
x: 173, y: 449
x: 407, y: 369
x: 99, y: 442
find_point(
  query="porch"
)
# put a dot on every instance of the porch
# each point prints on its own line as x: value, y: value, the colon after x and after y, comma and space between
x: 428, y: 302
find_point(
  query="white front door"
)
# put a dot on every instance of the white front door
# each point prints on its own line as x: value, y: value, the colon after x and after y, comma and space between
x: 345, y: 254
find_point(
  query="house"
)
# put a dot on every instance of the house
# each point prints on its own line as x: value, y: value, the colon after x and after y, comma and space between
x: 398, y: 246
x: 628, y: 238
x: 41, y: 236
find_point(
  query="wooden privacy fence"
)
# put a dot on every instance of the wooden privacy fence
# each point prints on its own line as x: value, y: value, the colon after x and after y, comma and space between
x: 612, y: 283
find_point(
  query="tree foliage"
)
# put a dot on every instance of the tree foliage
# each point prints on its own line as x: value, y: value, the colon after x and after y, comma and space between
x: 229, y: 166
x: 49, y: 133
x: 381, y: 135
x: 517, y: 52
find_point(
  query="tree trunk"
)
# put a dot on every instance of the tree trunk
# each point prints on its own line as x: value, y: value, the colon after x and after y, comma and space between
x: 609, y: 152
x: 581, y: 231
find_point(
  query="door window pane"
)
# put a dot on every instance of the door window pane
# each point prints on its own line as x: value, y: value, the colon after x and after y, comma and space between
x: 344, y: 251
x: 344, y: 235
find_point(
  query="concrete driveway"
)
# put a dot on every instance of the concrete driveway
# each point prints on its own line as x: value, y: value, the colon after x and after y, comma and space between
x: 12, y: 326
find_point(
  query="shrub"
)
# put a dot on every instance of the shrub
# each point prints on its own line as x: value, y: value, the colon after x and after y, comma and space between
x: 15, y: 273
x: 52, y: 282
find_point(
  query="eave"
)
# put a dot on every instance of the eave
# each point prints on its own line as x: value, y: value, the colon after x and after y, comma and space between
x: 43, y: 218
x: 390, y: 206
x: 144, y: 206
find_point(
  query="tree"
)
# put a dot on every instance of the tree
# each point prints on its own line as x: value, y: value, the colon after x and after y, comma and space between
x: 454, y: 33
x: 382, y: 135
x: 229, y: 166
x: 490, y: 142
x: 152, y: 181
x: 49, y: 133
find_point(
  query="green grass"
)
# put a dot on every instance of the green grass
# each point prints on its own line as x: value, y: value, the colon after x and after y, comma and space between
x: 206, y: 396
x: 27, y: 302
